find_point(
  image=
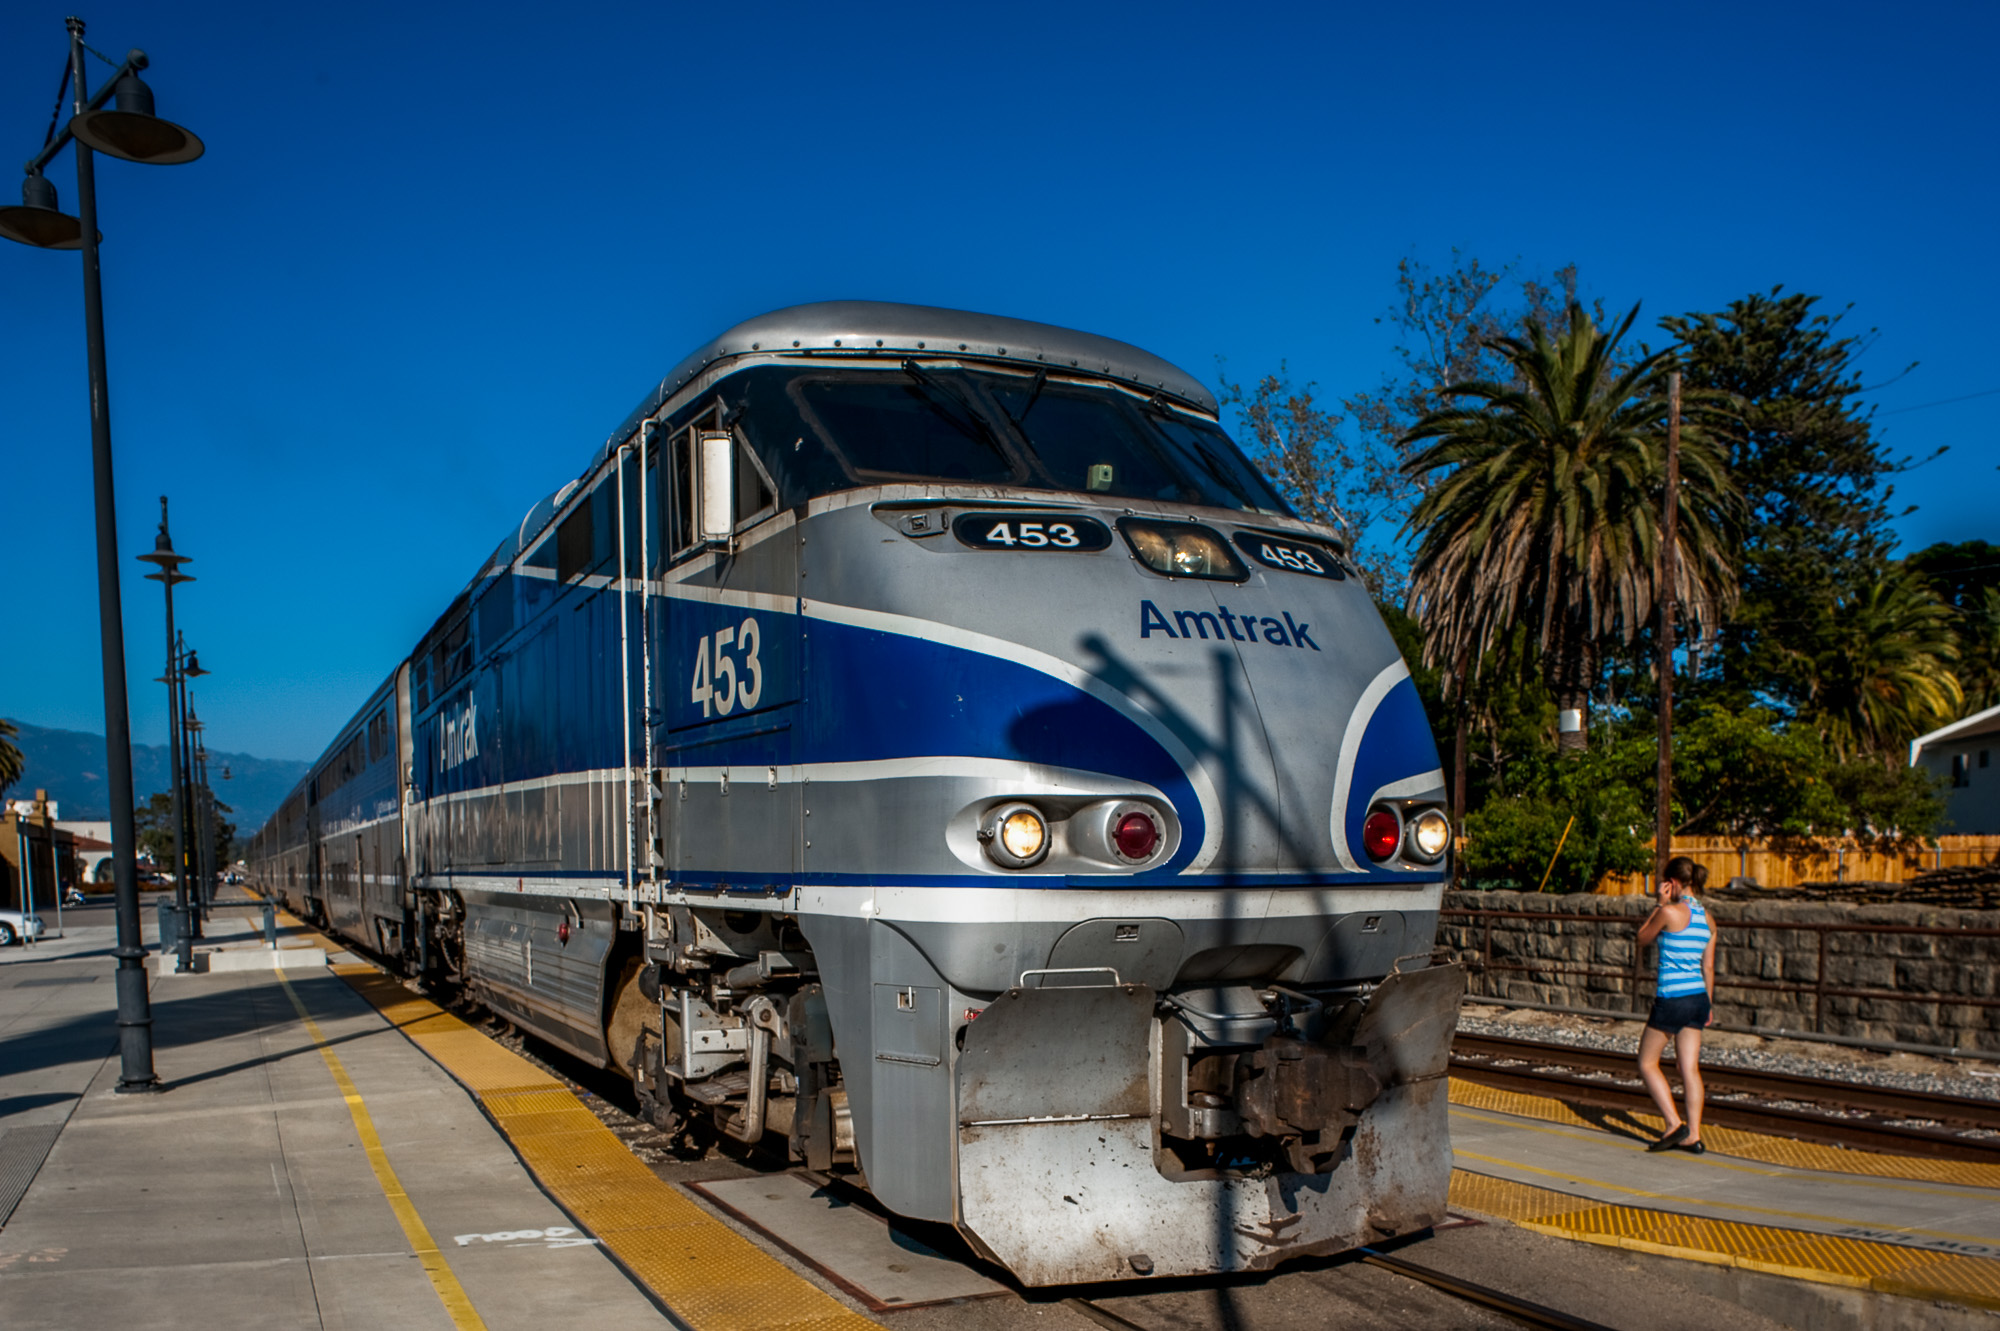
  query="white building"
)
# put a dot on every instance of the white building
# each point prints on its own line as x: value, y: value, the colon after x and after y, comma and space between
x: 1962, y: 752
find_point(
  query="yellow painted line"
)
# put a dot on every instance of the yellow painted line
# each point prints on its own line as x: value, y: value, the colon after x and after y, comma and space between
x: 1796, y: 1254
x: 449, y: 1291
x: 1710, y: 1160
x: 1682, y: 1199
x: 712, y: 1277
x: 1744, y: 1145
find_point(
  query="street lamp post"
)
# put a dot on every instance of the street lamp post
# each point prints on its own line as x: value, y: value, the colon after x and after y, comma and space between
x: 169, y: 574
x: 200, y: 826
x: 131, y: 132
x: 189, y: 668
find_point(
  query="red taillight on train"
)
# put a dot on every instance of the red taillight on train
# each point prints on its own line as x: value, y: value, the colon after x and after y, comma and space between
x: 1381, y: 834
x: 1137, y: 835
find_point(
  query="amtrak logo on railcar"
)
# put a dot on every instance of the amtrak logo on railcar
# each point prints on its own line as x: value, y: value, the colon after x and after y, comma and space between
x: 1213, y: 623
x: 458, y: 735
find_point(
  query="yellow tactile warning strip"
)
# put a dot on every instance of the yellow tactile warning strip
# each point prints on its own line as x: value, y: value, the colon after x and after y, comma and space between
x: 1822, y: 1258
x: 1745, y: 1145
x: 713, y: 1278
x: 449, y: 1291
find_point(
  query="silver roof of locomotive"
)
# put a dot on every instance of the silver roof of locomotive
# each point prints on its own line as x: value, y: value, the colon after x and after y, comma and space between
x: 864, y: 328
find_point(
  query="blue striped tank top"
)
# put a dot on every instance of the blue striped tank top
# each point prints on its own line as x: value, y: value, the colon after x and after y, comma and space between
x: 1680, y: 956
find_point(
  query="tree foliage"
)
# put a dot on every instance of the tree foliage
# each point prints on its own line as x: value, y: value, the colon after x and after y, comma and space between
x: 1519, y: 441
x: 155, y: 822
x: 1966, y: 576
x: 1573, y: 821
x: 1815, y: 481
x: 1342, y: 464
x: 1880, y: 669
x: 1542, y: 507
x: 11, y: 762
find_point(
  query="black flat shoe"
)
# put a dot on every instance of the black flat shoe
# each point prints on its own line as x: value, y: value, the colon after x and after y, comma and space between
x: 1693, y: 1148
x: 1670, y: 1140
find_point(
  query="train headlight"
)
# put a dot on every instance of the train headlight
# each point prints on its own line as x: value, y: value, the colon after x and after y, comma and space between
x: 1182, y: 550
x: 1016, y: 836
x: 1381, y: 833
x: 1430, y: 834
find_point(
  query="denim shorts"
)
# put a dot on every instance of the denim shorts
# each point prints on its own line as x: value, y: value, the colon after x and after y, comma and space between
x: 1673, y: 1015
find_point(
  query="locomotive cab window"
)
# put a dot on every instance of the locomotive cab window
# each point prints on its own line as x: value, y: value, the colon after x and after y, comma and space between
x: 753, y: 495
x: 819, y: 431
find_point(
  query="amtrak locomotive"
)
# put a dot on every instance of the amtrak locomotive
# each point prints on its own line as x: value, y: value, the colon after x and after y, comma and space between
x: 923, y: 739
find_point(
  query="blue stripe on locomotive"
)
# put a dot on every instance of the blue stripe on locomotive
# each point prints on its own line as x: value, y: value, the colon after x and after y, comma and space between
x: 873, y: 695
x: 1396, y: 745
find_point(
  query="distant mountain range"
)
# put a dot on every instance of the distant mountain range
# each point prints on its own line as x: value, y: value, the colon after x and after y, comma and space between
x: 69, y: 764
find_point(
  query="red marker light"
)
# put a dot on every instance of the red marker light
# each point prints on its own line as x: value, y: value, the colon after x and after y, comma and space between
x: 1137, y: 836
x: 1381, y: 834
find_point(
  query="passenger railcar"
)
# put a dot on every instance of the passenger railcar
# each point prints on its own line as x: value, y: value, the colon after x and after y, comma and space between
x: 923, y: 738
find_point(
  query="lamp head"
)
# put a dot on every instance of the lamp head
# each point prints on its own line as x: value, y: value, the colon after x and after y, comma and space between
x: 37, y: 221
x: 192, y: 669
x: 130, y: 129
x: 164, y: 556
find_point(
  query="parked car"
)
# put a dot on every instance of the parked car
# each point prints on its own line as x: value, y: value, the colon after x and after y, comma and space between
x: 16, y: 924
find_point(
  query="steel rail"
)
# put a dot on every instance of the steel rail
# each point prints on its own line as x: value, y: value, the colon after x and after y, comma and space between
x: 1537, y: 1315
x: 1521, y: 1310
x: 1834, y: 1122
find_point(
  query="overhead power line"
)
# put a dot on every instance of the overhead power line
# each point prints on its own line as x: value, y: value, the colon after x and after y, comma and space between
x: 1941, y: 402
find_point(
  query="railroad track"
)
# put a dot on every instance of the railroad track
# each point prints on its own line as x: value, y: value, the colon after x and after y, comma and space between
x: 1839, y: 1113
x: 1536, y: 1315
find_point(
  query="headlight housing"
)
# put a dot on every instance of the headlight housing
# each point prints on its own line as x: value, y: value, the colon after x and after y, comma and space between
x: 1429, y: 835
x: 1381, y: 833
x: 1016, y: 836
x: 1182, y: 550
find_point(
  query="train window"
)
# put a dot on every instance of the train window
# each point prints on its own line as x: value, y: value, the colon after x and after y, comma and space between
x: 819, y: 431
x: 884, y: 426
x: 656, y: 538
x: 423, y: 684
x: 753, y: 491
x: 682, y: 498
x: 1087, y: 441
x: 575, y: 544
x: 378, y: 737
x: 496, y: 612
x: 604, y: 521
x: 755, y: 495
x: 452, y: 656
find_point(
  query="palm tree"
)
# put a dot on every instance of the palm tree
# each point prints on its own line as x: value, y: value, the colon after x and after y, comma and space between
x: 1542, y: 508
x: 1882, y: 673
x: 11, y: 763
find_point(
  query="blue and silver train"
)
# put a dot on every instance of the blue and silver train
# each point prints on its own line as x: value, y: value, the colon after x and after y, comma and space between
x: 922, y: 738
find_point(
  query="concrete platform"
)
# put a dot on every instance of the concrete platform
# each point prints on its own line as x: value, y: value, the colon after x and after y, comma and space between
x: 1883, y: 1223
x: 306, y: 1166
x: 219, y: 960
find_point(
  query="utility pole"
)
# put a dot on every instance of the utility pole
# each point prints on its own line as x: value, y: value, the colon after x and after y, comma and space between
x: 1669, y: 580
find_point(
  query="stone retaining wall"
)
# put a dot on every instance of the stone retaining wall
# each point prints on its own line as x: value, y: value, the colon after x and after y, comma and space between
x: 1592, y: 962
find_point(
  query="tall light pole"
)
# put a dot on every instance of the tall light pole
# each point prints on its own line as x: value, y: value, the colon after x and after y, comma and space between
x: 169, y: 575
x: 134, y: 133
x: 202, y: 826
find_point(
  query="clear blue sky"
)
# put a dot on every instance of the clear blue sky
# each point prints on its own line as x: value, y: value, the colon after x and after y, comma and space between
x: 436, y: 252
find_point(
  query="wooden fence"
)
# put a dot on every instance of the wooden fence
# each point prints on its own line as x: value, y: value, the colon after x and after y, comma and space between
x: 1843, y: 864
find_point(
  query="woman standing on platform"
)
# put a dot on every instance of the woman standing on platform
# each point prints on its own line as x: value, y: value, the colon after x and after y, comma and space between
x: 1681, y: 1001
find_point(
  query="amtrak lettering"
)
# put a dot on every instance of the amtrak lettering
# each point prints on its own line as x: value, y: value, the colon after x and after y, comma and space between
x: 1202, y: 624
x: 460, y: 736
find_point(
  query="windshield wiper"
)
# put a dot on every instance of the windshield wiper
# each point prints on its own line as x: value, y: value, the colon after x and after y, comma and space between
x: 1034, y: 396
x: 937, y: 392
